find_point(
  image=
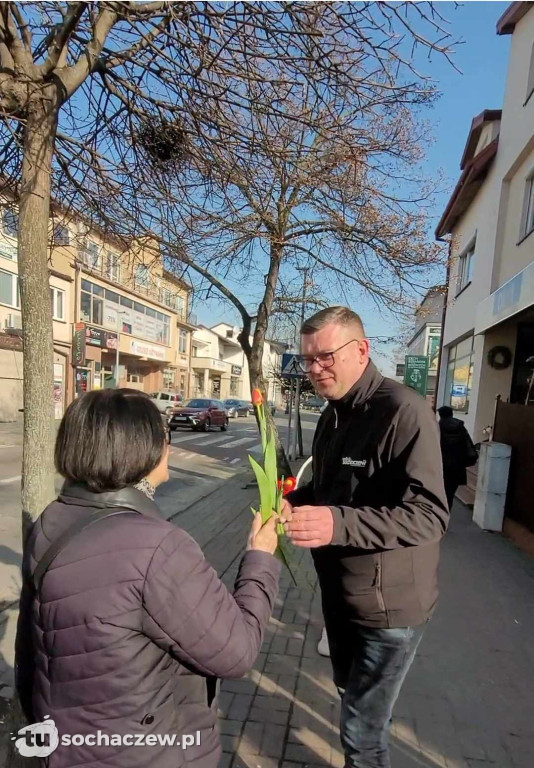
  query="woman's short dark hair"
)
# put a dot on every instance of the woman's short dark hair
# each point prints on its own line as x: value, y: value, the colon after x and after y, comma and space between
x: 109, y: 439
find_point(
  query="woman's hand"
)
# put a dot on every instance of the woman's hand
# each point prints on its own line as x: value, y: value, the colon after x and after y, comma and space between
x: 263, y: 537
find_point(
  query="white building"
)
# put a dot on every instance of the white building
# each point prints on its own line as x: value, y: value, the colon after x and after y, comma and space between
x: 220, y: 369
x: 488, y: 336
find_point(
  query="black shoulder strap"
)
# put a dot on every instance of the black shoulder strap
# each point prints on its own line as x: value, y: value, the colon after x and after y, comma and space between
x: 61, y: 542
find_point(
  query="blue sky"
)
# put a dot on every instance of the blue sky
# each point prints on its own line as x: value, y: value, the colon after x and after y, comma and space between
x: 482, y: 59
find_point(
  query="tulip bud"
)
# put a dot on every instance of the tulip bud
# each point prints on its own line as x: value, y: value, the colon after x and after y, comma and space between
x: 257, y: 397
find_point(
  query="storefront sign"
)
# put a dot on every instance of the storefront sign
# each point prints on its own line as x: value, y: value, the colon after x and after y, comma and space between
x: 96, y: 337
x: 147, y: 350
x: 78, y: 344
x: 416, y: 373
x: 236, y: 370
x: 58, y: 390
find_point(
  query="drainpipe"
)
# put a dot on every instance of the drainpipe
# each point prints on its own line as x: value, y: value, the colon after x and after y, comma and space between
x: 443, y: 318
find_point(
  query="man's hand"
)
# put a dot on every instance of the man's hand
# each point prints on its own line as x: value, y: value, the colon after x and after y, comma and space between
x: 310, y: 526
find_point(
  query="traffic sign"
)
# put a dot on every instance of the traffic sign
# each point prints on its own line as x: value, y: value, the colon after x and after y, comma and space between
x: 290, y: 367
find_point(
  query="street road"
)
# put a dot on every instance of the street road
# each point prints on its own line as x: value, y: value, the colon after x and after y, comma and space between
x: 199, y: 463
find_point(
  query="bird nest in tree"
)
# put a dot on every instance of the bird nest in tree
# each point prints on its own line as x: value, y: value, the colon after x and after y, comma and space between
x: 165, y: 143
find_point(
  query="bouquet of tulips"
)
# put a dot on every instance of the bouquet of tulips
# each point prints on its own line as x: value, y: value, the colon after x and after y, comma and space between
x: 272, y: 490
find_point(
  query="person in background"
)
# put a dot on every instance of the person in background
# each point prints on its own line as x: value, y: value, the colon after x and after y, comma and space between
x: 457, y: 451
x: 123, y: 626
x: 373, y: 515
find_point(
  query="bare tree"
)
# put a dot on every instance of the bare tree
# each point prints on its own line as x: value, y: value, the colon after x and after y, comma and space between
x: 83, y: 86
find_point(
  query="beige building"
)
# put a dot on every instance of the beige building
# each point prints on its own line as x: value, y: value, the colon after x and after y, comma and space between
x: 103, y: 297
x: 220, y: 369
x: 62, y: 306
x: 488, y: 337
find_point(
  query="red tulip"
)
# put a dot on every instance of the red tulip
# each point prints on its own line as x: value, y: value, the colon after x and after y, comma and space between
x: 257, y: 397
x: 289, y: 484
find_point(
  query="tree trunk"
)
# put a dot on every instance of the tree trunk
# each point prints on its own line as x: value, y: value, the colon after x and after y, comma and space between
x: 39, y: 431
x: 34, y: 211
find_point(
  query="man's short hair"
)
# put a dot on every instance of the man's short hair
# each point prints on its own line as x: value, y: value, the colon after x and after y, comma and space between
x: 337, y: 315
x: 109, y: 439
x: 445, y: 412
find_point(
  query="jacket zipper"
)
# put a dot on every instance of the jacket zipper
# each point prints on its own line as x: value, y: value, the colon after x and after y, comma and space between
x: 378, y: 585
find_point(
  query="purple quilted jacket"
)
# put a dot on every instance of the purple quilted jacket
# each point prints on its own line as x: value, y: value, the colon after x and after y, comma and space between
x: 129, y: 631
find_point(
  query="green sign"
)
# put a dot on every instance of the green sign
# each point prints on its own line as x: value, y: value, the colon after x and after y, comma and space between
x: 416, y: 373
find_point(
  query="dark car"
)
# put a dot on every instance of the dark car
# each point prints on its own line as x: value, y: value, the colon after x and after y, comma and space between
x: 236, y: 408
x: 200, y: 414
x: 314, y: 404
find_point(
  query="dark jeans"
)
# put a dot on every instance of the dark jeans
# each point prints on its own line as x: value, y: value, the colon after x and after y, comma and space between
x: 380, y: 661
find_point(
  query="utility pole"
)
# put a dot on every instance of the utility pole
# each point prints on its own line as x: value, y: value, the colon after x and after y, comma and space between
x: 297, y: 435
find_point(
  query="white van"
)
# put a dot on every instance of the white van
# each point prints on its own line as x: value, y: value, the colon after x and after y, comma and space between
x: 166, y: 401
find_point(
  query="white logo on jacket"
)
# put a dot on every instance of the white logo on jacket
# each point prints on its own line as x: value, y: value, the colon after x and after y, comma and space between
x: 348, y: 462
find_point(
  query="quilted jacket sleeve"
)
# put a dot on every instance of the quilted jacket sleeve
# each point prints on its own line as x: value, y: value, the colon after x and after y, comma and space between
x: 189, y: 612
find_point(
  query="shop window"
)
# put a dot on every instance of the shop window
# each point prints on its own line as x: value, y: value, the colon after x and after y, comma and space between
x: 91, y: 303
x: 460, y: 375
x: 9, y: 289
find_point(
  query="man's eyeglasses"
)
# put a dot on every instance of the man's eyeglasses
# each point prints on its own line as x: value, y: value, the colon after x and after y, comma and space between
x: 324, y: 359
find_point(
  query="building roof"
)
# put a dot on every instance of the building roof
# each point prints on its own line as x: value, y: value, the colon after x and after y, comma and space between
x: 477, y: 124
x: 512, y: 15
x: 467, y: 187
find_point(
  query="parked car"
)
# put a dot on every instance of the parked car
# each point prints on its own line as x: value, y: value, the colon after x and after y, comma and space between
x: 200, y: 414
x: 235, y: 408
x: 249, y: 406
x: 314, y: 404
x: 166, y: 401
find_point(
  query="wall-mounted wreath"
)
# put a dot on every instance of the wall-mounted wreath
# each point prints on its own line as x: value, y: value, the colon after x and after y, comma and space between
x: 499, y: 358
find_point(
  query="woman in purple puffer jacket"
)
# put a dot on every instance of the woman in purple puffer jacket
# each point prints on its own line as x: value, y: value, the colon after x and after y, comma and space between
x: 124, y: 627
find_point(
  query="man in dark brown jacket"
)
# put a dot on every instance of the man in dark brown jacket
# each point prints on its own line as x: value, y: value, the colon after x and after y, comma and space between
x: 373, y: 514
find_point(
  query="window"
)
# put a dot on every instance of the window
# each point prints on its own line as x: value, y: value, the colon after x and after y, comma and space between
x: 530, y: 80
x: 112, y: 296
x: 182, y: 344
x: 61, y: 235
x: 91, y: 254
x: 57, y: 298
x: 460, y: 375
x: 142, y: 276
x: 91, y: 305
x: 10, y: 222
x: 466, y: 264
x: 9, y: 289
x: 113, y: 266
x: 528, y: 208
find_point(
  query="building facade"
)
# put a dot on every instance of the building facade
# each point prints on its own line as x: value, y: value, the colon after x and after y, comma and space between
x: 220, y: 369
x: 118, y: 315
x: 487, y: 370
x: 425, y: 339
x: 489, y: 222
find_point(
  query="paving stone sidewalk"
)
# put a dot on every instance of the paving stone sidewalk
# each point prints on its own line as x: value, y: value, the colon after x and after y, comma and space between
x: 468, y: 699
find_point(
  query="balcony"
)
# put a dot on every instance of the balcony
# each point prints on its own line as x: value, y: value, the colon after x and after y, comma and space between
x: 210, y: 363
